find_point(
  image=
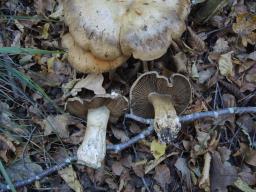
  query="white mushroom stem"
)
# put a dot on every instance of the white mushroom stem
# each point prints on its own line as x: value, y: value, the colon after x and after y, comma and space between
x: 166, y: 121
x: 93, y: 149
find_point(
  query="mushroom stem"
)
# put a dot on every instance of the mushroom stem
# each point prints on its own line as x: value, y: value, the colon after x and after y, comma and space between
x: 166, y: 122
x: 93, y: 149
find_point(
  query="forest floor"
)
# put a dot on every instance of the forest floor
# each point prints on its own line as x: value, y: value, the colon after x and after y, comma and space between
x: 216, y: 53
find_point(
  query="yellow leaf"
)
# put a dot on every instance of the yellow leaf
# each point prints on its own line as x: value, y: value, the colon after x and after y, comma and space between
x: 226, y: 65
x: 45, y: 33
x: 157, y: 149
x: 69, y: 176
x: 245, y: 27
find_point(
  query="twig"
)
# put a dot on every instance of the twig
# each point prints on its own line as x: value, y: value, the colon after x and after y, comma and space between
x: 216, y: 114
x: 119, y: 147
x: 45, y: 173
x: 142, y: 135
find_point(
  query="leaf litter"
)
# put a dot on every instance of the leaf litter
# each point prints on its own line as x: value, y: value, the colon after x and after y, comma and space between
x: 216, y: 52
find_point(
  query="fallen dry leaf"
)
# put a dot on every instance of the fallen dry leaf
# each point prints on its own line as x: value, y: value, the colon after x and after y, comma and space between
x: 204, y: 182
x: 92, y: 82
x: 6, y: 146
x: 195, y: 41
x: 119, y: 134
x: 153, y: 163
x: 245, y: 27
x: 57, y: 124
x: 23, y: 169
x: 248, y: 154
x: 163, y: 175
x: 221, y: 46
x: 226, y: 65
x: 117, y: 168
x: 181, y: 165
x: 222, y: 174
x: 240, y: 184
x: 248, y: 176
x: 68, y: 174
x: 157, y: 149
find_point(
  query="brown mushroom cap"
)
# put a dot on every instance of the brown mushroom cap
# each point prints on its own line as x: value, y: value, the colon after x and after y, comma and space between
x: 116, y: 103
x: 114, y: 30
x: 178, y: 88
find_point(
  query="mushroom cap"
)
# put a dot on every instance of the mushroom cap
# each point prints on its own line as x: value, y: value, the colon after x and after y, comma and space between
x: 178, y: 87
x: 116, y: 103
x: 111, y: 30
x: 85, y: 61
x: 149, y: 27
x: 95, y: 25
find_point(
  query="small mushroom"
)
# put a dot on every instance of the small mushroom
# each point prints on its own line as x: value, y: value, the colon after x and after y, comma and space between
x: 99, y: 109
x: 155, y: 96
x: 104, y: 34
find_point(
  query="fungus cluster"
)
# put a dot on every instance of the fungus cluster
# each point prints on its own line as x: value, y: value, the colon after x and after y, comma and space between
x: 103, y: 34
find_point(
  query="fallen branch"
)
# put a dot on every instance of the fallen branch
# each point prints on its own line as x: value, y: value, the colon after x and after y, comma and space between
x: 142, y: 135
x: 119, y: 147
x: 43, y: 174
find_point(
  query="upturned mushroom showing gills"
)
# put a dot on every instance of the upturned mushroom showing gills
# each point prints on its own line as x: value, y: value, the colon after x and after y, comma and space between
x: 99, y: 109
x: 155, y: 96
x: 103, y: 34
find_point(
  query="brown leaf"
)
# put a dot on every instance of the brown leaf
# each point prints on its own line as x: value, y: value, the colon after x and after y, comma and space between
x: 224, y: 153
x: 221, y: 46
x: 249, y: 154
x: 248, y: 176
x: 6, y: 146
x: 195, y: 41
x: 226, y: 65
x: 119, y: 134
x: 163, y: 175
x: 245, y: 26
x: 222, y: 174
x: 138, y: 168
x: 58, y: 124
x: 23, y: 169
x: 44, y: 5
x: 68, y: 174
x: 182, y: 166
x: 117, y: 168
x: 92, y: 82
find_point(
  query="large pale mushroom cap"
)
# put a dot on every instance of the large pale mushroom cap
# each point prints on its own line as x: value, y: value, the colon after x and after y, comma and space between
x: 178, y: 88
x: 112, y: 30
x: 149, y: 27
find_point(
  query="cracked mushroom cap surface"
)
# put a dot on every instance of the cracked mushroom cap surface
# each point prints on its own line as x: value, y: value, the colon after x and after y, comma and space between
x: 177, y: 87
x: 116, y: 103
x: 111, y: 29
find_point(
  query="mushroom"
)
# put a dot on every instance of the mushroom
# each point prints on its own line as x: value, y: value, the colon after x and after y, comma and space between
x: 92, y: 151
x: 155, y: 96
x: 104, y: 34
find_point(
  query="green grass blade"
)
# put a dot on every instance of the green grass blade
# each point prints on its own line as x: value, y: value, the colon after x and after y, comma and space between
x: 31, y: 51
x: 6, y: 177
